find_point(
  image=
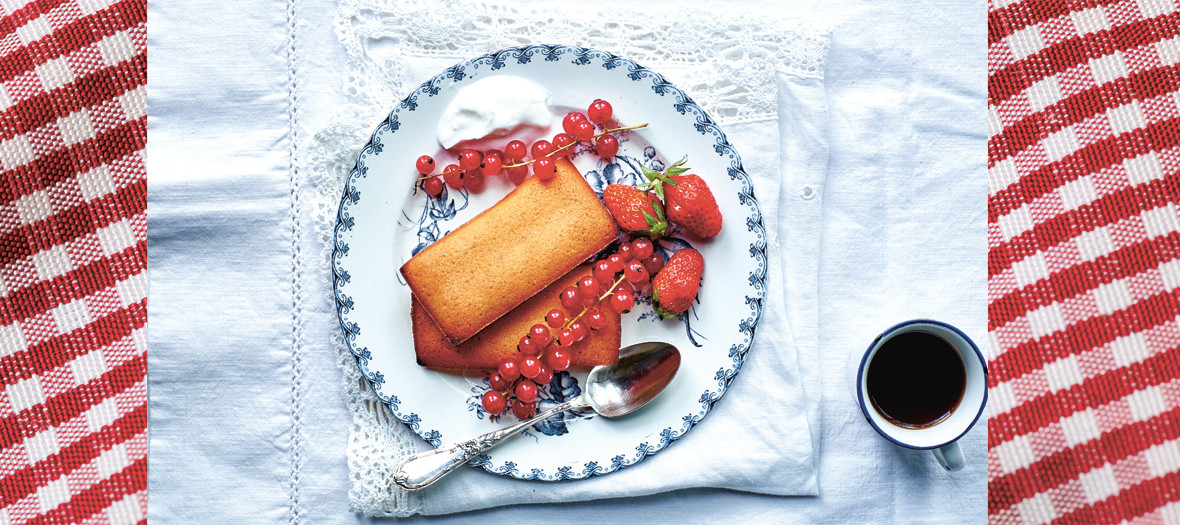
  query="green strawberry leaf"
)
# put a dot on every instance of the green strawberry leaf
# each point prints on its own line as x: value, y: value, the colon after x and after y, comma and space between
x: 657, y: 187
x: 651, y: 221
x: 664, y: 314
x: 655, y: 305
x: 651, y: 174
x: 657, y: 226
x: 675, y: 169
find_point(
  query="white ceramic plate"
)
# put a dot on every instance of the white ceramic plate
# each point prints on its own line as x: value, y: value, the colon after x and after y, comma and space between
x: 383, y: 219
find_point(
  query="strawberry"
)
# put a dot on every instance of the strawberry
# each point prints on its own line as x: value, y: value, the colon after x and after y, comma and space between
x: 636, y: 211
x: 675, y: 287
x: 688, y: 199
x: 692, y: 206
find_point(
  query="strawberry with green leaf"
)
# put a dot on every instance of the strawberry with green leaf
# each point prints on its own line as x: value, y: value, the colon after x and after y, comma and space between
x: 687, y: 199
x: 638, y: 212
x: 656, y: 180
x: 675, y: 287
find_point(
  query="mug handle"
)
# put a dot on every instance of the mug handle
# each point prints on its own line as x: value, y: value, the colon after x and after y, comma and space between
x: 949, y: 456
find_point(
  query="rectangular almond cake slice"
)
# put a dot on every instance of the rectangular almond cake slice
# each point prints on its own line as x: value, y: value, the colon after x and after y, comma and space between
x: 509, y: 252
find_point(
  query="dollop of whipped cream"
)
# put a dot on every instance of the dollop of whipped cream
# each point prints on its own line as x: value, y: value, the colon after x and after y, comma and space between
x: 493, y: 107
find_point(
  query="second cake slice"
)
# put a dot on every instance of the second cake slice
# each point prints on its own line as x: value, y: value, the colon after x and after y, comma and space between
x: 498, y: 341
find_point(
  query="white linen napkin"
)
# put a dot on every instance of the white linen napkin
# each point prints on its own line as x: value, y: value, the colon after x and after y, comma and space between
x: 761, y: 436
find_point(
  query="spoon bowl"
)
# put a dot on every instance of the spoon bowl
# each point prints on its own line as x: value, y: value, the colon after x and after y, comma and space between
x: 643, y: 371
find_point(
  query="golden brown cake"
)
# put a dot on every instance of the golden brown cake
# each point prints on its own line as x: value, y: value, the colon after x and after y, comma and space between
x: 500, y: 258
x: 493, y: 344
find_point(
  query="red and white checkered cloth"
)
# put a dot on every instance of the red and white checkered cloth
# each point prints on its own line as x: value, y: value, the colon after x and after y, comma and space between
x: 73, y: 255
x: 1084, y: 261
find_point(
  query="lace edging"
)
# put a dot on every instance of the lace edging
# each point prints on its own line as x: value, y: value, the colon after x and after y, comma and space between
x: 726, y: 57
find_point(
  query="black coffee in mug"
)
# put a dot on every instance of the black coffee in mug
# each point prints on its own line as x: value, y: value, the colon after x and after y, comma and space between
x: 916, y: 379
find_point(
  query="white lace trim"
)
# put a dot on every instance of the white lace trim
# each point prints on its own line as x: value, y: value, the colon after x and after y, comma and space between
x: 726, y: 58
x: 376, y: 440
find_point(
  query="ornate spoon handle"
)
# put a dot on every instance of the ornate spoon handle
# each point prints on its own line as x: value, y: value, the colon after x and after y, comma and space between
x: 424, y: 468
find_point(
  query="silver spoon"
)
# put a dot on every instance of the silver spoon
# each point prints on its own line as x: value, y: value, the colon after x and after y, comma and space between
x: 643, y: 370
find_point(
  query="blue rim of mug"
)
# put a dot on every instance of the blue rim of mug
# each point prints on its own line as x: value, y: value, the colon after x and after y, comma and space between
x: 860, y: 396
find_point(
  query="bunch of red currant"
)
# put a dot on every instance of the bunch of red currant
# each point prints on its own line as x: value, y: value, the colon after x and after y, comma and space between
x: 472, y: 167
x: 516, y: 382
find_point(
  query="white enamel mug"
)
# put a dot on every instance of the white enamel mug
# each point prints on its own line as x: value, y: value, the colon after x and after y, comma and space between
x: 940, y: 438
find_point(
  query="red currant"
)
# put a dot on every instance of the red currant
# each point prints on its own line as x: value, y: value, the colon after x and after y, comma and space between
x: 497, y: 382
x: 606, y: 146
x: 566, y: 338
x: 588, y: 286
x: 492, y: 163
x: 526, y: 391
x: 571, y: 299
x: 635, y: 272
x: 527, y: 345
x: 540, y: 334
x: 563, y: 144
x: 473, y: 180
x: 530, y: 367
x: 555, y: 319
x: 599, y: 111
x: 571, y: 120
x: 541, y: 148
x: 544, y: 377
x: 622, y: 302
x: 453, y: 176
x: 583, y: 130
x: 654, y: 263
x: 594, y: 319
x: 544, y: 169
x: 558, y: 359
x: 517, y: 174
x: 515, y: 151
x: 469, y: 159
x: 523, y: 410
x: 425, y: 165
x: 579, y: 330
x: 494, y: 402
x: 616, y: 262
x: 642, y: 248
x: 603, y: 271
x: 433, y: 186
x: 625, y: 286
x: 508, y: 370
x: 626, y: 251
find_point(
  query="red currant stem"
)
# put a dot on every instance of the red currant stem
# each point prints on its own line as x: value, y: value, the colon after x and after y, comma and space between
x: 432, y: 175
x: 576, y: 143
x: 525, y: 163
x: 609, y: 291
x: 569, y: 322
x: 558, y: 150
x: 587, y: 308
x: 624, y: 128
x: 565, y: 147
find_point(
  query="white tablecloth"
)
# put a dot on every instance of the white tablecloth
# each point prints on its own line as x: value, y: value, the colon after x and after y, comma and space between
x: 891, y: 214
